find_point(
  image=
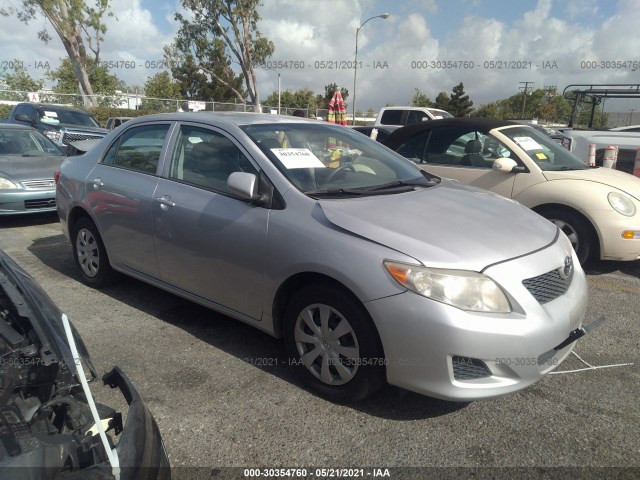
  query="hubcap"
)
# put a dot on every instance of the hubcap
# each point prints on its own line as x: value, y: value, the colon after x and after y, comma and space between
x: 569, y: 231
x: 327, y: 344
x: 88, y: 253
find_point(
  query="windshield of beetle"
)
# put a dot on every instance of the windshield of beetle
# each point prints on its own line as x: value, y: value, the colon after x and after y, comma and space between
x: 322, y: 158
x: 543, y: 150
x: 26, y: 143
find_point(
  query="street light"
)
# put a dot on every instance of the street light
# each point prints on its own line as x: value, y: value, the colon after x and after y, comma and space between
x: 384, y: 16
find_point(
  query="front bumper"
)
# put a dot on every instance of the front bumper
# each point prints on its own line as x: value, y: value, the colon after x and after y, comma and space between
x: 610, y: 225
x: 141, y: 451
x: 424, y: 340
x: 14, y: 202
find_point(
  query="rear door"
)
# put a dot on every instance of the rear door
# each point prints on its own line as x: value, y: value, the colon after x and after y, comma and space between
x: 209, y: 243
x: 120, y: 192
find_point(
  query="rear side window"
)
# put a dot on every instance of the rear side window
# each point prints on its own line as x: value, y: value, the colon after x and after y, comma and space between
x: 138, y: 149
x: 391, y: 117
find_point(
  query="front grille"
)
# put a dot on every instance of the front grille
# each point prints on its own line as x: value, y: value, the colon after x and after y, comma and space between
x: 548, y: 286
x: 40, y: 203
x: 74, y: 137
x: 465, y: 368
x: 43, y: 184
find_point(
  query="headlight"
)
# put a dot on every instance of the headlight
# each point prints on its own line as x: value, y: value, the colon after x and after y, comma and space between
x: 53, y: 135
x: 622, y: 204
x: 463, y: 289
x: 7, y: 185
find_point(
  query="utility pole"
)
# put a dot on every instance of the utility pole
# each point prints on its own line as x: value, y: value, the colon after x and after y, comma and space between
x: 524, y: 97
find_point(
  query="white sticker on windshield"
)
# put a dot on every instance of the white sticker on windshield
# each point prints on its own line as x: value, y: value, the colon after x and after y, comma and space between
x: 527, y: 143
x: 297, y: 158
x: 50, y: 114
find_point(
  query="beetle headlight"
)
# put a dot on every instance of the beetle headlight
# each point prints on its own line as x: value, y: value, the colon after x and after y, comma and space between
x: 471, y: 291
x: 622, y: 204
x: 7, y: 185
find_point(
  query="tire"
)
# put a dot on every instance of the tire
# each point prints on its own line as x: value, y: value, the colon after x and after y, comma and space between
x: 90, y: 255
x: 342, y: 369
x: 577, y: 229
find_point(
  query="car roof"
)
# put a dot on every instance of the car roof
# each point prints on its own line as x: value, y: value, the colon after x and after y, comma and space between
x: 52, y: 106
x: 15, y: 126
x: 401, y: 135
x: 228, y: 118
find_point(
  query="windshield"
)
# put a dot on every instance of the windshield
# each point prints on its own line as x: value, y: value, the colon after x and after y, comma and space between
x: 322, y: 158
x: 53, y: 116
x: 544, y: 151
x: 26, y: 143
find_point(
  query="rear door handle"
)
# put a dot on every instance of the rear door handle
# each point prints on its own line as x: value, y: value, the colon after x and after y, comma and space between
x: 97, y: 183
x: 165, y: 202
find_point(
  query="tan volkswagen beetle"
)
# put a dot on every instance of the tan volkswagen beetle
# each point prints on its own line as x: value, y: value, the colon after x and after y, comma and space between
x: 597, y: 208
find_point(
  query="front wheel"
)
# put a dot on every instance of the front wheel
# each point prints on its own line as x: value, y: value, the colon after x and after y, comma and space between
x: 90, y: 255
x: 576, y: 229
x: 333, y: 344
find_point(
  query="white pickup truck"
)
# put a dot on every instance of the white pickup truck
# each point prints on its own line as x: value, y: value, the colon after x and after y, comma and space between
x: 578, y: 141
x: 401, y: 116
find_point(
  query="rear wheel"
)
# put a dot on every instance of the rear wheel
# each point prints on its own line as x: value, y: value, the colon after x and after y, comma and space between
x: 576, y: 229
x: 333, y: 344
x: 90, y: 255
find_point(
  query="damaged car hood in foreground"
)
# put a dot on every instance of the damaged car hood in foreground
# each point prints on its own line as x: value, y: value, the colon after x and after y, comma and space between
x: 47, y: 429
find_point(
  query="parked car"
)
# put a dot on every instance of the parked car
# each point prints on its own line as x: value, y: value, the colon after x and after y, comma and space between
x: 597, y: 208
x: 114, y: 122
x: 368, y: 267
x: 49, y: 430
x: 60, y: 124
x: 400, y: 116
x: 383, y: 131
x: 27, y: 162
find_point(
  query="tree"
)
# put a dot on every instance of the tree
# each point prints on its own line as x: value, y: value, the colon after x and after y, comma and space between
x: 442, y: 101
x: 162, y: 89
x: 459, y: 103
x: 15, y: 77
x: 303, y: 99
x: 219, y: 32
x: 79, y: 25
x: 420, y: 100
x: 195, y: 84
x: 104, y: 84
x: 490, y: 110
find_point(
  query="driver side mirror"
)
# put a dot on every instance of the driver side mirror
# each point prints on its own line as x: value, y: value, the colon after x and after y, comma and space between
x: 506, y: 165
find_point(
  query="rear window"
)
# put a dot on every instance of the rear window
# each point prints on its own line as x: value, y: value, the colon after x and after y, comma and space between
x: 391, y: 117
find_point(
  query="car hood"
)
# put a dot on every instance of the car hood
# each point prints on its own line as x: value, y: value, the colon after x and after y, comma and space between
x: 447, y: 226
x: 613, y: 178
x: 16, y: 167
x: 81, y: 128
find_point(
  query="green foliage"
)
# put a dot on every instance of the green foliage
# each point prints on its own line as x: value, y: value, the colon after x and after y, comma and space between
x: 543, y: 104
x: 5, y: 110
x: 17, y: 78
x: 103, y: 83
x: 302, y: 98
x: 459, y: 103
x: 161, y: 86
x: 420, y: 100
x: 218, y: 32
x: 442, y: 101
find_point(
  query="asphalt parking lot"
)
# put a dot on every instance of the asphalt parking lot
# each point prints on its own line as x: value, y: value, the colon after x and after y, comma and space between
x: 224, y: 396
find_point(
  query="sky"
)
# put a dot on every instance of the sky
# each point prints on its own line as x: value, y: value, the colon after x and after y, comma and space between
x: 491, y: 46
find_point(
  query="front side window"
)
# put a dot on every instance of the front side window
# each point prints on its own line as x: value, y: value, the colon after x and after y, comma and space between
x: 454, y: 146
x: 138, y: 148
x: 206, y: 158
x: 324, y: 158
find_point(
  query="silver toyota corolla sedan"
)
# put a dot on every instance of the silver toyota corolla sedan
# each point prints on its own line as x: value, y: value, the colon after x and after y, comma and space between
x: 369, y: 268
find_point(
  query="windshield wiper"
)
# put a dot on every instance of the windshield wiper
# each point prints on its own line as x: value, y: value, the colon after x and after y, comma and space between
x: 399, y: 184
x: 337, y: 192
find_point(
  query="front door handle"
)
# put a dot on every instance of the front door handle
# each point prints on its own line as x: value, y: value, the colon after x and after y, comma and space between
x: 165, y: 202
